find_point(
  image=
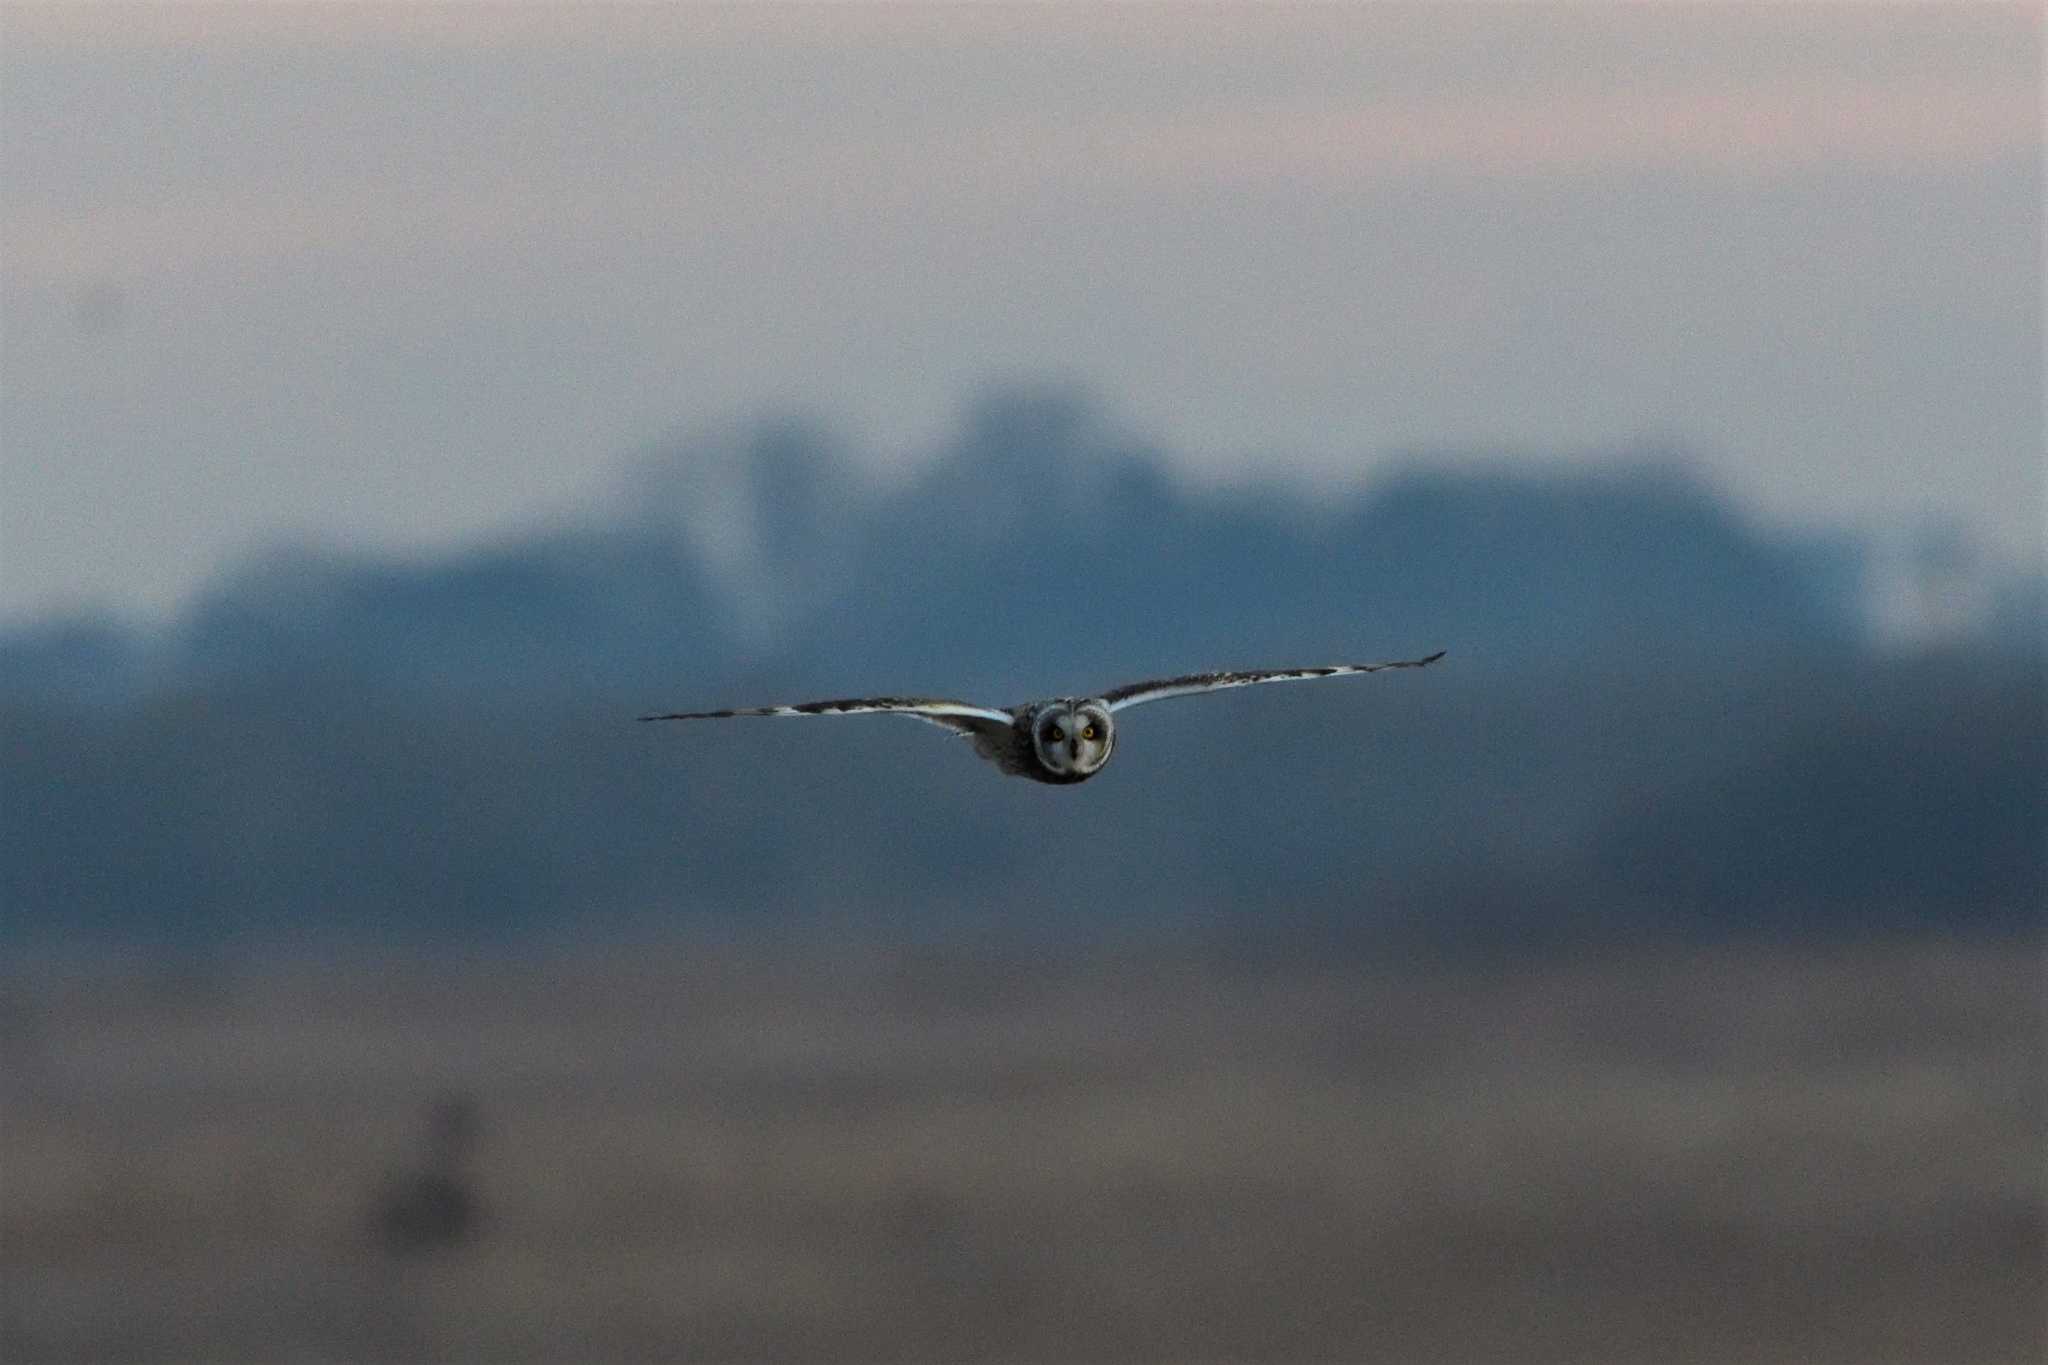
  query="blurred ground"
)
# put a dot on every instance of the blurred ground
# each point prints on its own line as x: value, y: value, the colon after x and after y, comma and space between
x: 838, y: 1152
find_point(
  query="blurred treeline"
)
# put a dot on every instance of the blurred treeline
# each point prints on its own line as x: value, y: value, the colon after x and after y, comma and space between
x: 1656, y: 716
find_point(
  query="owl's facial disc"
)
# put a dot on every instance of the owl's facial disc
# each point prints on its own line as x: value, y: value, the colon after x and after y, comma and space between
x: 1074, y: 739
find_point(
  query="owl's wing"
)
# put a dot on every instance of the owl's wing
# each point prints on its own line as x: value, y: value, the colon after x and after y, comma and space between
x: 1159, y: 689
x: 958, y: 716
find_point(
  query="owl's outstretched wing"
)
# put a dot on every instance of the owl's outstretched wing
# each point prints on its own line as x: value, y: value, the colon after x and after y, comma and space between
x: 1159, y: 689
x: 958, y: 716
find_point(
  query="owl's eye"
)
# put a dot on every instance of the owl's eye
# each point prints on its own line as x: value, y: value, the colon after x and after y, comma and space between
x: 1087, y: 732
x: 1055, y: 734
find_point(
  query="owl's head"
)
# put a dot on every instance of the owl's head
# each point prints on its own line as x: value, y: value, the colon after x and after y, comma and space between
x: 1073, y: 738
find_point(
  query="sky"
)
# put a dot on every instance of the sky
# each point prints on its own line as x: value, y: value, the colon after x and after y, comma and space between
x: 402, y: 278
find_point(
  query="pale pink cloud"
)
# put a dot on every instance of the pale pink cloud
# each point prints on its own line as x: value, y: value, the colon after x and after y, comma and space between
x: 1753, y: 130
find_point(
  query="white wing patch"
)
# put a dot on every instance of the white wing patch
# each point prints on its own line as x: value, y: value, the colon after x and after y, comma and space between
x: 1159, y: 689
x: 964, y: 717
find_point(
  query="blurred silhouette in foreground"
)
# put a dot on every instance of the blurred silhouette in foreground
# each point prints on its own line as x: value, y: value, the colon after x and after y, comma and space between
x: 433, y: 1209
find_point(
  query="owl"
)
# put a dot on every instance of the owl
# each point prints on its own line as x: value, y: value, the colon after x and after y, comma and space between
x: 1059, y: 742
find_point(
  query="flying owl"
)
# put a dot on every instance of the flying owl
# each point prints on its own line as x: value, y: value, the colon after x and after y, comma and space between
x: 1061, y: 741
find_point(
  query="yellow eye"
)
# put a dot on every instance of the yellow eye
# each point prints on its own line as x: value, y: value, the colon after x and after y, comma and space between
x: 1087, y: 732
x: 1055, y: 734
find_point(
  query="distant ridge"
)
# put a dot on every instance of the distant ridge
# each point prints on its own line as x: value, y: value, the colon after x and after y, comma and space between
x: 1038, y: 541
x: 1663, y: 719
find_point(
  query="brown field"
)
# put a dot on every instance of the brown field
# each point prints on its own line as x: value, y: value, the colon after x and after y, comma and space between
x: 1132, y: 1153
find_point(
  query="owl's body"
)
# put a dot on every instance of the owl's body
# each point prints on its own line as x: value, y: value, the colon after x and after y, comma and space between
x: 1056, y: 742
x: 1059, y: 742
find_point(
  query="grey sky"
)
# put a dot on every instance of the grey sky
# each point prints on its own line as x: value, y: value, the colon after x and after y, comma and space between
x: 400, y: 277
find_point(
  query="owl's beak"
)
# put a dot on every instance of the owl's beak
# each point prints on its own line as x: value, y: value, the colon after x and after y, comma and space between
x: 1074, y: 750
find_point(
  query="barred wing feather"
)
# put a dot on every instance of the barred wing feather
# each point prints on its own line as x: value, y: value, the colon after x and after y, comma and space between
x: 1159, y: 689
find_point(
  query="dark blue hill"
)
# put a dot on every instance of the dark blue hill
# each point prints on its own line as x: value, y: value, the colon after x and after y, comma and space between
x: 1040, y: 551
x: 1654, y: 711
